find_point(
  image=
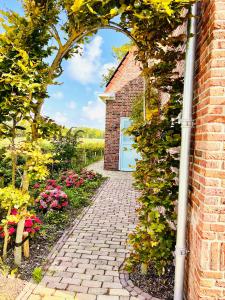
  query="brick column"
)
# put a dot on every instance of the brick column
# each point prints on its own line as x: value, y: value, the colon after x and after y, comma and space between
x: 206, y: 261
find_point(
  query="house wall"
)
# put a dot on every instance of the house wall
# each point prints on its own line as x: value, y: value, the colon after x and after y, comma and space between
x: 126, y: 84
x: 120, y: 107
x: 205, y: 267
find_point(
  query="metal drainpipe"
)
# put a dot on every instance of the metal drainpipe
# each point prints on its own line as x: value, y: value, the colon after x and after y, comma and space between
x: 186, y: 122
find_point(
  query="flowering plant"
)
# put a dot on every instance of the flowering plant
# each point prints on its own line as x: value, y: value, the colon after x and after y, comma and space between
x: 89, y: 175
x: 32, y: 223
x: 52, y: 184
x: 52, y: 198
x: 72, y: 179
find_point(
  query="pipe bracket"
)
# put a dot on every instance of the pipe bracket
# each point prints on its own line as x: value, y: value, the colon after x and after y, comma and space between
x: 187, y: 123
x: 181, y: 251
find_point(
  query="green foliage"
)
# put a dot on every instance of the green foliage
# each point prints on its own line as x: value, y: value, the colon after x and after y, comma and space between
x: 65, y: 149
x: 158, y: 141
x: 92, y: 133
x: 37, y: 274
x: 56, y: 218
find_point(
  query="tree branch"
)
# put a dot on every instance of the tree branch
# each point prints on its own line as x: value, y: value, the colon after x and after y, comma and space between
x: 56, y: 36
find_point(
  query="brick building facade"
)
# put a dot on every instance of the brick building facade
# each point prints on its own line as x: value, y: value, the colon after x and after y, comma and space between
x: 124, y: 86
x: 205, y: 268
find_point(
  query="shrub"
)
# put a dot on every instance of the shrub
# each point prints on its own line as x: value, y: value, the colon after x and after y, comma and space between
x: 52, y: 199
x: 71, y: 179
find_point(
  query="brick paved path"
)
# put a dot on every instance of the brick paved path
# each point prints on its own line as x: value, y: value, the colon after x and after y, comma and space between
x: 88, y: 262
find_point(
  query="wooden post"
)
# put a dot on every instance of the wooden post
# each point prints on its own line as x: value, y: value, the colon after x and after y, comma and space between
x: 26, y: 246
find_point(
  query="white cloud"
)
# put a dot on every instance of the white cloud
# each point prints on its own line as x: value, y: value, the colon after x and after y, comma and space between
x: 57, y: 95
x: 72, y: 105
x: 85, y: 68
x: 94, y: 111
x: 61, y: 118
x: 106, y: 67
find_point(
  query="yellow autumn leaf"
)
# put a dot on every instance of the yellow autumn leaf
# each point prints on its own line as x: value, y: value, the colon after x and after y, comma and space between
x: 77, y: 5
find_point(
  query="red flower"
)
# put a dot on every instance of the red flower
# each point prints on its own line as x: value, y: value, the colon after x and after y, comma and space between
x: 14, y: 211
x: 2, y: 235
x: 28, y: 223
x: 37, y: 220
x: 36, y: 186
x: 64, y: 204
x: 11, y: 223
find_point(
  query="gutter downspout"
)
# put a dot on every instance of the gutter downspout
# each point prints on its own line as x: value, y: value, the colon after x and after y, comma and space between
x: 186, y: 122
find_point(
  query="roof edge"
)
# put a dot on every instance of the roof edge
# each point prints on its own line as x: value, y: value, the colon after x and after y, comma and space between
x: 114, y: 73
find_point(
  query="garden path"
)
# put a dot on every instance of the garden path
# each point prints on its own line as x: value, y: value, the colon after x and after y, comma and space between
x: 86, y: 261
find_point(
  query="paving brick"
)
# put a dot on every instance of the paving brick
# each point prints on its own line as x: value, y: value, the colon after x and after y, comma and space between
x: 76, y: 270
x: 94, y: 272
x: 71, y: 281
x: 113, y: 285
x: 57, y: 285
x: 103, y: 278
x: 107, y: 297
x: 86, y: 297
x: 77, y: 288
x: 97, y: 291
x: 83, y: 276
x: 91, y: 283
x: 42, y: 291
x: 34, y: 297
x: 119, y: 292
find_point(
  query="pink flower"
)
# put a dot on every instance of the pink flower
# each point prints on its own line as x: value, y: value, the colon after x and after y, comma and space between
x: 64, y: 204
x: 36, y: 186
x: 11, y: 230
x: 54, y: 204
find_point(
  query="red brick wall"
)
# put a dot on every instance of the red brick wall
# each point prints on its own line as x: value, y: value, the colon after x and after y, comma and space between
x: 126, y: 84
x: 120, y: 107
x: 206, y: 260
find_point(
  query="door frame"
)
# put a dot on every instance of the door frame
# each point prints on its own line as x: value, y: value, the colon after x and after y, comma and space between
x: 120, y: 145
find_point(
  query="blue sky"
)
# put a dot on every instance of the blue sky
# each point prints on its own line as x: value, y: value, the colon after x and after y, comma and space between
x: 75, y: 102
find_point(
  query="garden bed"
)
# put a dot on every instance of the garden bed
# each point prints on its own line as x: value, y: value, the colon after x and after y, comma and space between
x: 54, y: 223
x: 157, y: 286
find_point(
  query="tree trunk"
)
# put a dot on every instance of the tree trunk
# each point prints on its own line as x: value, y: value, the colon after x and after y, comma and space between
x: 19, y: 239
x: 14, y: 156
x: 6, y: 238
x: 144, y: 269
x: 20, y: 225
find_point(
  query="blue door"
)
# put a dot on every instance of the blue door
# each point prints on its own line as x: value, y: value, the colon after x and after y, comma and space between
x: 128, y: 154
